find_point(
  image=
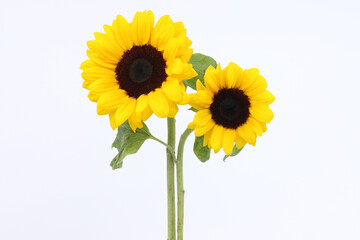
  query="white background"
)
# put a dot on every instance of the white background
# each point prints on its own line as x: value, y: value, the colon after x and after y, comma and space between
x: 301, y: 181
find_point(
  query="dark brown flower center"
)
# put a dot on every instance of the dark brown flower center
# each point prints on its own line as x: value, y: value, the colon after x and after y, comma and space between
x: 230, y: 108
x: 141, y: 70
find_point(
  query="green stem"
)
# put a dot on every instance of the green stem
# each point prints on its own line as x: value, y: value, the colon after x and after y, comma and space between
x: 169, y: 148
x: 180, y: 184
x: 171, y: 180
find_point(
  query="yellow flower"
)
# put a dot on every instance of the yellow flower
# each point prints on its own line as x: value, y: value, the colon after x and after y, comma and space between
x: 136, y: 69
x: 233, y: 107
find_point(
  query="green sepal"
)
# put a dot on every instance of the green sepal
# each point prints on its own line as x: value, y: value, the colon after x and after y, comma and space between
x: 234, y: 152
x: 127, y: 142
x: 200, y: 63
x: 201, y: 152
x: 193, y: 109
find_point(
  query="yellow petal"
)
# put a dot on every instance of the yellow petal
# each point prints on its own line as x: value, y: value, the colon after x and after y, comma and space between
x: 141, y: 27
x: 239, y: 142
x: 175, y: 67
x: 184, y: 51
x: 191, y: 125
x: 219, y: 75
x: 132, y: 125
x: 105, y: 50
x: 113, y: 121
x: 110, y: 101
x: 86, y: 84
x: 135, y: 121
x: 188, y: 72
x: 87, y: 64
x: 141, y: 125
x: 263, y: 126
x: 185, y: 95
x: 100, y: 61
x: 183, y: 72
x: 229, y: 140
x: 257, y: 87
x: 207, y: 137
x: 173, y: 109
x: 171, y: 49
x: 261, y: 112
x: 124, y: 111
x: 159, y: 103
x: 111, y: 40
x: 232, y: 75
x: 249, y: 77
x: 199, y: 85
x: 94, y: 73
x: 122, y: 32
x: 202, y: 117
x: 180, y: 30
x: 114, y: 39
x: 142, y: 103
x: 200, y: 100
x: 146, y: 113
x: 264, y: 97
x: 110, y: 35
x: 93, y: 97
x: 217, y: 137
x: 163, y: 31
x: 245, y: 132
x: 103, y: 85
x: 172, y: 89
x: 201, y: 130
x: 163, y: 21
x: 255, y: 126
x: 211, y: 79
x: 217, y: 149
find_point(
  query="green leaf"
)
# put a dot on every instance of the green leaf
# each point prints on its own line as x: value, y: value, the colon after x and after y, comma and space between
x: 117, y: 162
x: 234, y: 152
x: 127, y: 142
x: 200, y: 63
x: 201, y: 152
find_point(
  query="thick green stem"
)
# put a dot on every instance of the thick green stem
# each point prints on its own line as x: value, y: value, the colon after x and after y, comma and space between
x: 171, y: 180
x: 180, y: 184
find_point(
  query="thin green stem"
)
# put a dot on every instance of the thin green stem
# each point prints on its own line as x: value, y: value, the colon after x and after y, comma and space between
x: 171, y: 180
x: 169, y: 148
x: 180, y: 184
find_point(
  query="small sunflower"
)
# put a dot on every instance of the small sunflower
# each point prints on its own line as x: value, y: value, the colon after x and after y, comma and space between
x: 136, y: 69
x: 232, y: 108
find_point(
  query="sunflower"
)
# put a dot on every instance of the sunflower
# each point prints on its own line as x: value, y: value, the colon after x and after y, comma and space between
x: 232, y: 108
x: 136, y: 69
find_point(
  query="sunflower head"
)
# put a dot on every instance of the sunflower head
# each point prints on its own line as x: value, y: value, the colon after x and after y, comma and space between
x: 233, y: 107
x: 136, y: 69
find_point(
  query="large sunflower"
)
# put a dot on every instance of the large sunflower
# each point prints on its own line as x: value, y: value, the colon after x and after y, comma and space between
x: 233, y: 107
x: 136, y: 69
